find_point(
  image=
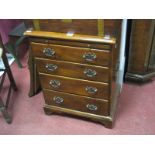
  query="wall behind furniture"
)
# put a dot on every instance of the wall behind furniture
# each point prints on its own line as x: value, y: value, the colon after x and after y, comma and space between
x: 6, y: 25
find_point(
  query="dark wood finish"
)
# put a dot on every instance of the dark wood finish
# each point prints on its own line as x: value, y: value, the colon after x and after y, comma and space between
x: 152, y: 52
x: 76, y: 102
x: 34, y: 78
x: 80, y: 26
x: 75, y: 86
x: 141, y: 53
x: 73, y: 70
x: 73, y: 54
x: 71, y: 92
x: 59, y: 25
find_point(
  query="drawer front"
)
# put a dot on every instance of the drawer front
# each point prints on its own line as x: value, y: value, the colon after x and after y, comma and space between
x: 75, y: 70
x: 75, y: 86
x: 73, y: 54
x: 75, y: 102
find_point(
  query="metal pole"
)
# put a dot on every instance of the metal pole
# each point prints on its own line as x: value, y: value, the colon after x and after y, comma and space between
x: 122, y: 51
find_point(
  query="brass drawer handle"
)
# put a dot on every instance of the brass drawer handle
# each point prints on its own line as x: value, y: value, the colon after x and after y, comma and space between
x: 92, y: 107
x: 55, y: 83
x: 89, y: 56
x: 58, y: 100
x: 90, y: 72
x: 91, y: 90
x: 51, y: 67
x: 49, y: 52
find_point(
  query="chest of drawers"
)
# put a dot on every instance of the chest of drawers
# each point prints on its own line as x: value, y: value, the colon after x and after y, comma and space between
x: 76, y: 73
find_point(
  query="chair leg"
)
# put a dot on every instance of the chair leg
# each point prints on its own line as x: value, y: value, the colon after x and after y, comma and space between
x: 6, y: 116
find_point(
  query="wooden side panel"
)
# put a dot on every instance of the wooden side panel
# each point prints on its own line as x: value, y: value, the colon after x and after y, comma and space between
x: 139, y: 46
x: 152, y: 53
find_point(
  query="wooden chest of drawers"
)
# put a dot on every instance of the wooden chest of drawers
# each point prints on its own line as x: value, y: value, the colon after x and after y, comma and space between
x: 76, y: 74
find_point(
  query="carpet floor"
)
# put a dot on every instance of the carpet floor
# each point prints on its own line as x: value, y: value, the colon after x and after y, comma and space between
x: 135, y: 113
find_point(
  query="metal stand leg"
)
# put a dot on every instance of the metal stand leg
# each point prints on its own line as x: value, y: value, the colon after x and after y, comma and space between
x: 6, y: 116
x: 7, y: 70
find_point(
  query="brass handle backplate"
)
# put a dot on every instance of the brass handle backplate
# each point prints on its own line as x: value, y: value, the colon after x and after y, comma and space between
x: 51, y: 67
x: 91, y: 90
x: 49, y: 52
x: 90, y: 72
x: 58, y: 99
x: 89, y: 56
x: 92, y: 107
x: 55, y: 83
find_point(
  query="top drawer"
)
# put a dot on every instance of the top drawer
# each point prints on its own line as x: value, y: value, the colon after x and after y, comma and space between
x: 73, y: 54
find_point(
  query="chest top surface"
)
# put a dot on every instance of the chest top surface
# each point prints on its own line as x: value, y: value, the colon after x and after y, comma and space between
x: 70, y: 37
